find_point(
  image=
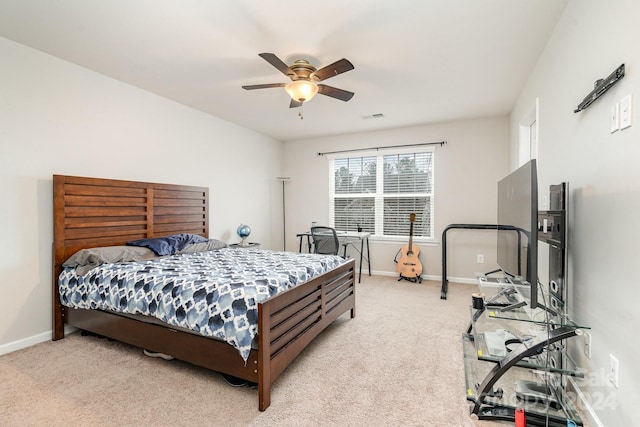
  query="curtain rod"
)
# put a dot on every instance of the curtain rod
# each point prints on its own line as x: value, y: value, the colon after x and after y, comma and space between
x: 441, y: 143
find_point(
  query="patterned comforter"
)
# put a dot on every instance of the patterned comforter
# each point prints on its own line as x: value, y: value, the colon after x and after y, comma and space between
x: 214, y: 293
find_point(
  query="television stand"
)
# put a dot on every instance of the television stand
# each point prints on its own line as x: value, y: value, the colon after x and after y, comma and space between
x: 532, y: 391
x: 533, y: 374
x: 514, y: 306
x: 515, y: 373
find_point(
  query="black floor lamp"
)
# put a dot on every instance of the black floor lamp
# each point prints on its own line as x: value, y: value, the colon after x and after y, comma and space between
x: 284, y: 179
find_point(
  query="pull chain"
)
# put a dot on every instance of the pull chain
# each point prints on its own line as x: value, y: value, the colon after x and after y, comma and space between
x: 301, y: 112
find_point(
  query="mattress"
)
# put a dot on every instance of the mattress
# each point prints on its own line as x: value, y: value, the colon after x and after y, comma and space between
x: 214, y: 293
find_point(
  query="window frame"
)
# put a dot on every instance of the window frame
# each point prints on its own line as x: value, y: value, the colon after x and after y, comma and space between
x: 380, y: 196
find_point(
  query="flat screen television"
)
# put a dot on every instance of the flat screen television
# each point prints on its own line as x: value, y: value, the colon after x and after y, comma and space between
x: 518, y: 227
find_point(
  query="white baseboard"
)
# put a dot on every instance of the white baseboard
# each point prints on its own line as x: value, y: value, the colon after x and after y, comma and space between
x: 469, y: 281
x: 426, y: 277
x: 395, y: 274
x: 29, y: 341
x: 25, y: 342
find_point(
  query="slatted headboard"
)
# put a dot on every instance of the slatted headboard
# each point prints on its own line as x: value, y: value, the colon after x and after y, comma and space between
x: 92, y: 212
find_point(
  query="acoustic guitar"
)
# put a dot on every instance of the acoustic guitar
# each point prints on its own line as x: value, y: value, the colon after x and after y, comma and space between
x: 409, y: 266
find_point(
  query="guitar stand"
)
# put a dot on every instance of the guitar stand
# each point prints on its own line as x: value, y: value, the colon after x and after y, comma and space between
x: 415, y: 279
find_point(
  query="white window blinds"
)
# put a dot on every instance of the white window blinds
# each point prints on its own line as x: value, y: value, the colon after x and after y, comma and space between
x: 378, y: 192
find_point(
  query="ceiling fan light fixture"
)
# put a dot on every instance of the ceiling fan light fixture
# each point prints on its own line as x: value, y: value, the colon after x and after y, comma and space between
x: 301, y: 90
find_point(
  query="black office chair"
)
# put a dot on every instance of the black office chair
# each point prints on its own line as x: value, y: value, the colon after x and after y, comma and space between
x: 325, y: 241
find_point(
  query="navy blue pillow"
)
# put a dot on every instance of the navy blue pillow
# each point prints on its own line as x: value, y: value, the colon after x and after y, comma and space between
x: 168, y: 245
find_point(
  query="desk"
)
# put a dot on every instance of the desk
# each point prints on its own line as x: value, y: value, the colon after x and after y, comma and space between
x: 347, y: 238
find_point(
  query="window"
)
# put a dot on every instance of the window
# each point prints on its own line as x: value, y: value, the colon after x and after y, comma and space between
x: 377, y: 193
x: 529, y: 135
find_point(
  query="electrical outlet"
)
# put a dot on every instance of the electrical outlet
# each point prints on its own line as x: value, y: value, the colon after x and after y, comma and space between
x: 587, y: 344
x: 614, y: 370
x: 480, y: 259
x: 626, y: 109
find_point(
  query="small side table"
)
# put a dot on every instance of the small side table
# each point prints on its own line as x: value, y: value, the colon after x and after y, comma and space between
x: 250, y: 245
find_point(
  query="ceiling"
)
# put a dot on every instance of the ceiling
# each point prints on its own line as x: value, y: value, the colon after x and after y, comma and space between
x: 416, y: 62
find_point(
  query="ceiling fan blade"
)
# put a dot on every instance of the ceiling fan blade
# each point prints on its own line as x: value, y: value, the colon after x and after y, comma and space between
x: 277, y: 62
x: 295, y: 104
x: 338, y: 67
x: 263, y: 86
x: 334, y: 92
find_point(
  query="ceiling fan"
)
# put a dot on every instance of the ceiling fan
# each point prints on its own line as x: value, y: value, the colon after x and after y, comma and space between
x: 304, y: 78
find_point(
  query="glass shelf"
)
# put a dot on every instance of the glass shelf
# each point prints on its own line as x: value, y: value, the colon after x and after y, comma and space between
x: 503, y: 398
x: 525, y: 332
x: 537, y: 316
x: 506, y: 299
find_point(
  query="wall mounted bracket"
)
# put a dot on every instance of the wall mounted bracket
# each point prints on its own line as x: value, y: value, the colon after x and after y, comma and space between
x: 600, y: 87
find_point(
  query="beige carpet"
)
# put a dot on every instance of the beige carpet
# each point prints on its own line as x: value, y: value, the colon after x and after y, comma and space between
x: 399, y: 362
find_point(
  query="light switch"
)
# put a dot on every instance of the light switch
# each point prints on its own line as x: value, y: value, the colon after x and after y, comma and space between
x: 615, y: 124
x: 626, y: 109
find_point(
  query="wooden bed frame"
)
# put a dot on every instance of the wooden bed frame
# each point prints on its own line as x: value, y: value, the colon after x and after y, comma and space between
x: 91, y: 212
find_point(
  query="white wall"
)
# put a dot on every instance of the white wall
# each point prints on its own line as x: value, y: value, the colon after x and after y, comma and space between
x: 591, y: 40
x: 467, y: 170
x: 58, y: 118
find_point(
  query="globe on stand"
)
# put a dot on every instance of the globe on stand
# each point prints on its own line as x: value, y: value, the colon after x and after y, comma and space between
x: 243, y: 232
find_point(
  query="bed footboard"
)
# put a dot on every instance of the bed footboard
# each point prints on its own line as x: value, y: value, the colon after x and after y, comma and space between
x: 91, y: 212
x: 288, y: 322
